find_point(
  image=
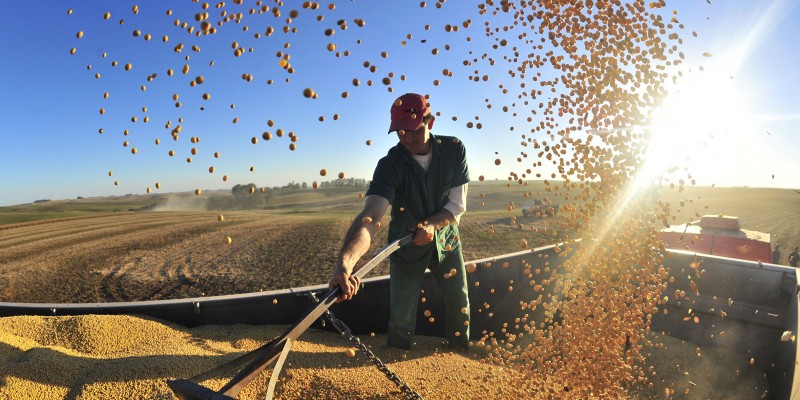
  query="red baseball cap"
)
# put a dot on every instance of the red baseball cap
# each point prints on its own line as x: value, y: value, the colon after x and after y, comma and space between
x: 407, y: 112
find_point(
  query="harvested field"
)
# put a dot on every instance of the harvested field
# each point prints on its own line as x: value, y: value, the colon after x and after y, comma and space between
x: 159, y: 255
x: 127, y: 256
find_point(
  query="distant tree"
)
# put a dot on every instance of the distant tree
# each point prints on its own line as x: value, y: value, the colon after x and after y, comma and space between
x: 269, y: 195
x: 291, y: 186
x: 240, y: 190
x: 345, y: 184
x: 247, y: 197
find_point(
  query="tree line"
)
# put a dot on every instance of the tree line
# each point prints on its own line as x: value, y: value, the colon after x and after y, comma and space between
x: 249, y: 196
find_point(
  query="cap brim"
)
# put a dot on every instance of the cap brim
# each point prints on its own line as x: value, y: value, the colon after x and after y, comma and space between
x: 406, y: 125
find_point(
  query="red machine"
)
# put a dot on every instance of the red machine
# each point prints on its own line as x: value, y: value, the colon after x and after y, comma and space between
x: 719, y: 235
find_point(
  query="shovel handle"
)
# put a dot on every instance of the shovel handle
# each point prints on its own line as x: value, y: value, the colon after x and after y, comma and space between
x: 258, y: 359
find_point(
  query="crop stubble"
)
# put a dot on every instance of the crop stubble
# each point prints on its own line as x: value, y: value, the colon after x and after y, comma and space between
x: 139, y: 256
x: 128, y: 256
x: 161, y: 255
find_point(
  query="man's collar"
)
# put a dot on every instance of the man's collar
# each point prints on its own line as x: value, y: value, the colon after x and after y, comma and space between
x: 432, y: 142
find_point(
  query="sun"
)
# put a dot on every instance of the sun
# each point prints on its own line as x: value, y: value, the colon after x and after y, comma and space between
x: 692, y: 131
x: 691, y: 139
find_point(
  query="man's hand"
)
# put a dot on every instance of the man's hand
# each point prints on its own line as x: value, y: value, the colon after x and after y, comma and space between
x: 424, y: 234
x: 356, y: 242
x: 349, y: 283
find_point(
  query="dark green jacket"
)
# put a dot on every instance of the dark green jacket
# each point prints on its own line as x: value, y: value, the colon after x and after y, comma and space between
x: 416, y: 194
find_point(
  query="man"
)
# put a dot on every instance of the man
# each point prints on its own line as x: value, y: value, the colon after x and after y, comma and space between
x: 794, y: 257
x: 424, y: 177
x: 776, y: 255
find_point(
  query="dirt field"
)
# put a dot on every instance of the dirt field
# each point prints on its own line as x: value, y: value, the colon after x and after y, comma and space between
x: 107, y: 255
x: 160, y: 255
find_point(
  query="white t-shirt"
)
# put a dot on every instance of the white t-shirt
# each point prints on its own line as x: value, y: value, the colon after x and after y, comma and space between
x: 457, y: 199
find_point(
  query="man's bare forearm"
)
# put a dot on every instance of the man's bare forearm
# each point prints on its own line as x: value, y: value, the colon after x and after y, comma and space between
x: 359, y: 236
x: 357, y: 241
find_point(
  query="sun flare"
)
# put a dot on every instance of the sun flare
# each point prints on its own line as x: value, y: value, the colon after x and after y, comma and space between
x: 686, y: 131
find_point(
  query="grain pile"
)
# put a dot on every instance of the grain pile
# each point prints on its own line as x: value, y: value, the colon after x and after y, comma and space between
x: 121, y: 357
x: 116, y: 357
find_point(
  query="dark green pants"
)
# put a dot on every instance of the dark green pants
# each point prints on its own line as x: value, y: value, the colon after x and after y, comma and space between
x: 405, y: 284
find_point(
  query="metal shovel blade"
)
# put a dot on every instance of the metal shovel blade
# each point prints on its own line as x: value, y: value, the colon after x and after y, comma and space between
x: 187, y: 390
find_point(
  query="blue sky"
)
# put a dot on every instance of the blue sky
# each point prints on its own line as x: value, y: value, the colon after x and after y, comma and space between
x: 747, y: 95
